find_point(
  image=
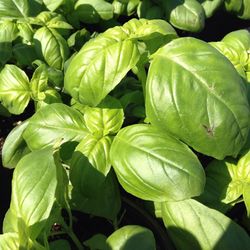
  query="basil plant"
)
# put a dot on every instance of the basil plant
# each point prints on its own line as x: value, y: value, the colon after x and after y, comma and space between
x: 128, y: 111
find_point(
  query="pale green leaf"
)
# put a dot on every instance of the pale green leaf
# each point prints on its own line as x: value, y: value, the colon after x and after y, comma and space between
x: 33, y: 190
x: 97, y: 150
x: 131, y: 237
x: 53, y: 122
x: 14, y: 89
x: 14, y: 147
x: 155, y: 166
x: 51, y: 47
x: 106, y: 119
x: 191, y: 225
x: 189, y: 74
x: 14, y: 8
x: 100, y: 65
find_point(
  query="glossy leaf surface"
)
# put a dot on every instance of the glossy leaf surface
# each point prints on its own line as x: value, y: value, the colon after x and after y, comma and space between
x: 100, y: 66
x: 131, y: 237
x: 14, y: 147
x: 185, y: 14
x: 34, y: 185
x: 106, y: 119
x: 51, y: 47
x: 53, y: 122
x: 155, y: 166
x: 192, y: 225
x: 197, y: 77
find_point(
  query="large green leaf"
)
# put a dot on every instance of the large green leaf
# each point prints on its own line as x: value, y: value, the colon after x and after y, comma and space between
x: 92, y: 11
x: 33, y: 191
x: 192, y: 225
x: 100, y: 66
x: 189, y: 74
x: 155, y: 166
x: 93, y: 192
x: 185, y: 14
x: 105, y: 60
x: 14, y: 89
x: 14, y: 8
x: 51, y: 47
x: 53, y: 122
x: 14, y: 147
x: 105, y: 119
x: 131, y: 237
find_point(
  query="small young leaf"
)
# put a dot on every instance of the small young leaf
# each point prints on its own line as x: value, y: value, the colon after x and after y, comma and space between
x: 53, y: 122
x: 107, y: 118
x: 14, y: 89
x: 131, y: 237
x: 97, y: 150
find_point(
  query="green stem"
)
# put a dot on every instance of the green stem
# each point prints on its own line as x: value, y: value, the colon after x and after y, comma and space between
x: 73, y: 237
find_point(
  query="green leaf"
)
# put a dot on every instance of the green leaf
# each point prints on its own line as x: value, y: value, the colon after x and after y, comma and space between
x: 51, y: 96
x: 14, y: 147
x: 8, y: 33
x: 10, y: 222
x: 14, y: 8
x: 52, y: 20
x: 78, y: 39
x: 9, y: 241
x: 210, y: 7
x: 53, y: 122
x: 246, y: 197
x: 98, y: 241
x: 39, y: 83
x: 97, y: 150
x: 26, y: 32
x: 25, y: 54
x: 59, y: 244
x: 232, y: 54
x: 92, y: 192
x: 51, y: 47
x: 192, y: 225
x: 189, y: 74
x: 146, y: 164
x: 33, y: 190
x: 14, y: 89
x: 106, y: 119
x: 131, y: 237
x: 100, y: 65
x: 53, y: 5
x: 185, y: 14
x: 92, y: 11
